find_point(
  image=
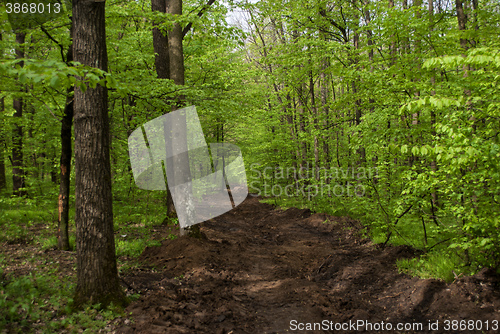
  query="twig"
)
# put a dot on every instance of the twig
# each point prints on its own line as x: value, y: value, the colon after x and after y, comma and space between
x: 428, y: 249
x: 129, y: 286
x: 55, y: 41
x: 175, y: 258
x: 324, y: 262
x: 200, y: 13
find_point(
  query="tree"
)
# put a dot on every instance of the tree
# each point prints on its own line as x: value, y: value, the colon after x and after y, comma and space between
x: 169, y: 61
x: 65, y: 166
x: 162, y: 64
x: 3, y: 181
x: 160, y: 43
x: 97, y: 274
x: 18, y: 180
x: 176, y: 58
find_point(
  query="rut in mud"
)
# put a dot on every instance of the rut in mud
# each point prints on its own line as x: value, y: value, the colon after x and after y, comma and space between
x: 261, y: 270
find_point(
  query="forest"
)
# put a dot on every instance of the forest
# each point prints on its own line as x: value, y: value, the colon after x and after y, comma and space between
x: 371, y: 127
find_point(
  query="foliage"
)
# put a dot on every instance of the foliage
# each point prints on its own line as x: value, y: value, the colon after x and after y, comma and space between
x: 40, y: 303
x: 387, y: 114
x: 362, y: 87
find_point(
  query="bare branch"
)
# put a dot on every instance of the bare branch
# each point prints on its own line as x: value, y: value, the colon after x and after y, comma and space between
x: 200, y: 13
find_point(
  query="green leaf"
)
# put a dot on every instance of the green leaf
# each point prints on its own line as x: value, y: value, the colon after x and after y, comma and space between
x: 424, y: 150
x: 111, y: 82
x: 55, y: 81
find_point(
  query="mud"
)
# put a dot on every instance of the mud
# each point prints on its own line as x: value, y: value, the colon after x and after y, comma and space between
x: 261, y: 270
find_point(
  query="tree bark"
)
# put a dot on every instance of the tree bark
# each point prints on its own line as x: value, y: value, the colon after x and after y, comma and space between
x: 326, y: 112
x: 160, y: 43
x: 433, y: 164
x: 97, y: 275
x: 176, y: 51
x: 315, y: 116
x: 3, y: 180
x: 392, y: 46
x: 162, y: 64
x: 357, y: 105
x: 176, y: 57
x: 462, y: 21
x: 18, y: 179
x: 65, y: 166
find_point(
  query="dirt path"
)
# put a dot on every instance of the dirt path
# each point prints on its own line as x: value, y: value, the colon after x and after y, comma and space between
x: 261, y: 270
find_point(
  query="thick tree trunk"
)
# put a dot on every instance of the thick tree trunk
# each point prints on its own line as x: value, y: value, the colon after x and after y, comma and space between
x: 97, y: 275
x: 18, y: 181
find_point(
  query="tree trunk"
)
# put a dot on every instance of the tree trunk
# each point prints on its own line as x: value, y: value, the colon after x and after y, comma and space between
x: 462, y: 21
x: 392, y: 47
x: 160, y: 43
x: 324, y: 98
x: 433, y: 164
x: 315, y: 116
x: 357, y: 106
x: 97, y: 275
x: 176, y: 51
x: 18, y: 180
x: 162, y: 63
x: 176, y: 55
x: 65, y: 165
x: 3, y: 180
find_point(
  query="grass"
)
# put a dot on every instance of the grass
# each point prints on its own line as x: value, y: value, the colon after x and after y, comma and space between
x: 40, y: 303
x: 133, y: 247
x: 34, y: 294
x: 440, y: 265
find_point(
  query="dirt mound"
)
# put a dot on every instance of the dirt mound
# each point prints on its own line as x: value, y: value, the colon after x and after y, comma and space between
x: 262, y: 270
x: 176, y: 256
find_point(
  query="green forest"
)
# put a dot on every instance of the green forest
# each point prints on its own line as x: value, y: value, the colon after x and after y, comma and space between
x: 386, y: 112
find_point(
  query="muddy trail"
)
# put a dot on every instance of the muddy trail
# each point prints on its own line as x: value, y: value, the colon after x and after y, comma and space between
x: 262, y: 270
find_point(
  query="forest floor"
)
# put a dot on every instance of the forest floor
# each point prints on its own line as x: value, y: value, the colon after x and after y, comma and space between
x: 262, y: 270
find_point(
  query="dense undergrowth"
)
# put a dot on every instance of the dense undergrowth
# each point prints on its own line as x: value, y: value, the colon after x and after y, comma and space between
x: 37, y: 281
x: 438, y: 259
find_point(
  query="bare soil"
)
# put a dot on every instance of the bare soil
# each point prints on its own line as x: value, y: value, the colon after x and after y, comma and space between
x: 259, y: 269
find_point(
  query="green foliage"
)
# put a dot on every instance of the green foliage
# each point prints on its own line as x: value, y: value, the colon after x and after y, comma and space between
x: 442, y: 265
x: 18, y: 216
x: 34, y: 13
x: 406, y: 101
x: 40, y: 303
x: 133, y: 248
x: 386, y: 100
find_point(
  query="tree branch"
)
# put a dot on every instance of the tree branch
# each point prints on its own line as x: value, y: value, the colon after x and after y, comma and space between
x: 200, y: 13
x: 55, y: 41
